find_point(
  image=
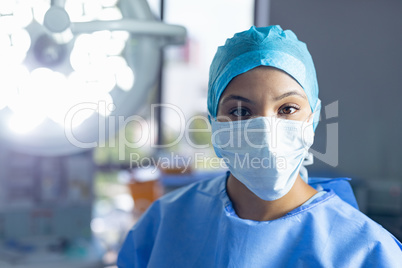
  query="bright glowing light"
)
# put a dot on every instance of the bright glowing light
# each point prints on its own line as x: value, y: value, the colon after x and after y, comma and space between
x: 23, y: 14
x: 10, y: 21
x: 123, y: 74
x: 6, y: 7
x: 125, y: 78
x: 21, y: 39
x: 46, y: 93
x: 39, y: 8
x: 115, y: 63
x: 15, y: 14
x: 3, y: 102
x: 101, y: 37
x: 97, y: 79
x: 61, y: 104
x: 92, y: 9
x: 111, y: 13
x: 51, y: 93
x: 112, y: 44
x: 80, y: 57
x: 41, y: 76
x: 75, y: 10
x: 78, y: 112
x: 63, y: 99
x: 106, y: 80
x: 108, y: 3
x: 115, y: 46
x: 85, y: 91
x: 63, y: 95
x: 94, y: 66
x: 13, y: 79
x: 24, y: 123
x: 121, y: 35
x: 83, y: 10
x: 80, y: 117
x: 14, y: 46
x: 24, y: 99
x: 105, y: 109
x: 6, y: 93
x: 88, y: 52
x: 104, y: 77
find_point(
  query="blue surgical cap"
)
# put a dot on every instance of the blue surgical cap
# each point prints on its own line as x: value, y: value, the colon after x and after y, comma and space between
x: 265, y: 46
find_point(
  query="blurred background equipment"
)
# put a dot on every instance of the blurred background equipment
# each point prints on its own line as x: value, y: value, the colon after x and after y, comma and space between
x: 70, y: 69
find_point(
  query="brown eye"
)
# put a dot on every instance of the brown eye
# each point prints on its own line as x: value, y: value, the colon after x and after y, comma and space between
x: 286, y: 110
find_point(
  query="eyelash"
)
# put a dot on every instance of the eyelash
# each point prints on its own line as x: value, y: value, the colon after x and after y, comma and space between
x: 287, y: 106
x: 239, y: 109
x: 280, y: 111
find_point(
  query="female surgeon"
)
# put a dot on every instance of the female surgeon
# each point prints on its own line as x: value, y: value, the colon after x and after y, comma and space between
x: 264, y: 107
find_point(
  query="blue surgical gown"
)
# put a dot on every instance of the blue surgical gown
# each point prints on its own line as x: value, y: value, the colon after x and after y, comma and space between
x: 196, y: 226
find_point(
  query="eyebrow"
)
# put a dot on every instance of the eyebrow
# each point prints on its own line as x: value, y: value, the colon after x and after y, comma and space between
x: 290, y: 93
x: 240, y: 98
x: 237, y: 97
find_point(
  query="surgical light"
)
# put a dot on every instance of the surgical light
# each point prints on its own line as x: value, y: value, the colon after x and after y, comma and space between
x: 70, y: 64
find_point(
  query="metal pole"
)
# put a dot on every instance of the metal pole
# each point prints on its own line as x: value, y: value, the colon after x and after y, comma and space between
x: 261, y: 12
x: 159, y: 94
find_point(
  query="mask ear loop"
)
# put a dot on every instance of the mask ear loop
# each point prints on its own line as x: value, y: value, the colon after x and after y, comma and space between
x: 309, y: 158
x: 209, y: 118
x: 212, y: 119
x: 316, y: 114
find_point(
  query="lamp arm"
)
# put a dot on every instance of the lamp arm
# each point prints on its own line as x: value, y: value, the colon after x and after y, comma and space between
x: 174, y: 33
x: 59, y: 3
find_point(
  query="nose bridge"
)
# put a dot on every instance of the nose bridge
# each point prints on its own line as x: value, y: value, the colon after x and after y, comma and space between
x: 268, y: 113
x: 267, y: 108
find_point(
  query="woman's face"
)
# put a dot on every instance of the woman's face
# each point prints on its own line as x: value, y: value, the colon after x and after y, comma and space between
x: 263, y: 91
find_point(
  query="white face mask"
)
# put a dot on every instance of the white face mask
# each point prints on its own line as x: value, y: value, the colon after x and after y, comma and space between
x: 264, y: 153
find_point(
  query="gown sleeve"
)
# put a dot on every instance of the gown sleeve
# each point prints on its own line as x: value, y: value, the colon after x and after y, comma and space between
x: 385, y: 253
x: 137, y: 247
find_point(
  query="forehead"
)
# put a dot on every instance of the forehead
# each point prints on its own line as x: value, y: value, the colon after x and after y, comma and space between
x: 263, y: 80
